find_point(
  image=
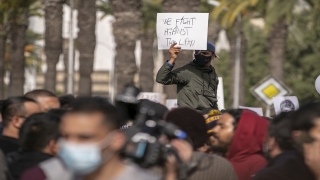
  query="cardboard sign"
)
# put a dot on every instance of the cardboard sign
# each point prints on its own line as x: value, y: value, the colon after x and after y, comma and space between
x: 220, y: 94
x: 155, y: 97
x: 257, y: 110
x: 189, y: 30
x: 171, y: 103
x: 285, y: 104
x: 317, y: 84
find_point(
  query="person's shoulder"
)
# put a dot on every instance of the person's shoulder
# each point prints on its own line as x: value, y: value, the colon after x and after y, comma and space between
x: 212, y: 161
x: 140, y: 173
x: 34, y: 173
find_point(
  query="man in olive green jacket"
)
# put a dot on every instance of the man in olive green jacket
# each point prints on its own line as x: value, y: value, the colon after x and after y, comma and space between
x: 197, y: 82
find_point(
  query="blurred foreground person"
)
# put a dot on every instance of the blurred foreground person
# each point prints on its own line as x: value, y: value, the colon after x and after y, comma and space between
x: 14, y: 111
x: 304, y: 164
x: 209, y: 166
x: 279, y: 148
x: 38, y: 139
x: 90, y: 145
x: 46, y: 99
x: 239, y: 136
x: 197, y: 82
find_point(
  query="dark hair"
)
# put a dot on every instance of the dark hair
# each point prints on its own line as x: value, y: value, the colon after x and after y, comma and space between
x: 235, y: 113
x: 96, y: 104
x: 13, y: 106
x: 39, y: 93
x: 279, y: 128
x: 57, y: 112
x: 303, y: 119
x: 38, y: 130
x: 65, y: 101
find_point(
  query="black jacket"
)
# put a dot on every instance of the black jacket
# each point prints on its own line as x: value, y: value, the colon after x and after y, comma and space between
x: 26, y: 161
x: 8, y: 144
x: 287, y: 166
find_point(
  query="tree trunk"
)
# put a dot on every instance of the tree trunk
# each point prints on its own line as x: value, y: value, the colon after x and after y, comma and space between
x: 86, y: 43
x: 232, y: 38
x: 2, y: 59
x: 17, y: 35
x: 147, y: 64
x: 53, y: 40
x: 185, y: 56
x: 66, y: 64
x: 277, y: 39
x: 213, y: 33
x: 126, y: 30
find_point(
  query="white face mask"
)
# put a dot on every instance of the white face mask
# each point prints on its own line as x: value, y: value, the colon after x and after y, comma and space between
x: 84, y: 158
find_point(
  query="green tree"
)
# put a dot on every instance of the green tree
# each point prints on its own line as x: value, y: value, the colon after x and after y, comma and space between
x: 232, y: 19
x: 53, y: 39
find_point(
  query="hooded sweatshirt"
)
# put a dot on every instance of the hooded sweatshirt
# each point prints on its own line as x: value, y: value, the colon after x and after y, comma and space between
x: 245, y: 152
x: 196, y: 85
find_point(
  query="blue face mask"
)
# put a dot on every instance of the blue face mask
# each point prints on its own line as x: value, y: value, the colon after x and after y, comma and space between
x: 81, y: 158
x: 202, y: 60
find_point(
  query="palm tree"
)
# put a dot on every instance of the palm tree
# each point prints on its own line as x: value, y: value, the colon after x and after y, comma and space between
x: 186, y: 56
x: 226, y: 13
x: 86, y: 43
x: 53, y: 39
x: 278, y: 16
x: 126, y: 30
x: 149, y: 13
x: 17, y: 15
x: 2, y: 50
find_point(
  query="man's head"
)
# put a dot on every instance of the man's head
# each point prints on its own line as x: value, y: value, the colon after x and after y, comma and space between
x: 306, y: 124
x: 223, y: 132
x: 90, y: 134
x: 191, y: 122
x: 204, y: 57
x: 15, y: 110
x: 40, y: 133
x: 46, y: 99
x: 279, y: 137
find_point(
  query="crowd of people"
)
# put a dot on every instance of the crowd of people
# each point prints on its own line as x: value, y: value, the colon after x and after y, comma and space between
x: 44, y: 136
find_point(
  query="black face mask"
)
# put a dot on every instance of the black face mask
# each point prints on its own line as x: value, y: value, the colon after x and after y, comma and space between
x: 201, y: 60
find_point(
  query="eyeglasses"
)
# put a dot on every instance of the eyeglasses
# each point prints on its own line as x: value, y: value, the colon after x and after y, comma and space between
x: 205, y: 53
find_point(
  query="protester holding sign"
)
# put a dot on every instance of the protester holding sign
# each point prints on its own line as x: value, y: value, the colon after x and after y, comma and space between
x: 197, y: 81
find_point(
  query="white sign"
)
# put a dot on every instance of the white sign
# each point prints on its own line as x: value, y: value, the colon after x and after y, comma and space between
x: 155, y: 97
x: 257, y: 110
x: 317, y: 84
x: 220, y: 95
x: 285, y: 104
x: 189, y: 30
x: 269, y: 88
x: 171, y: 103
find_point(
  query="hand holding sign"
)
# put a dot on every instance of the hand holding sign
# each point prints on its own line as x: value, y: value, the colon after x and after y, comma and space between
x: 174, y: 51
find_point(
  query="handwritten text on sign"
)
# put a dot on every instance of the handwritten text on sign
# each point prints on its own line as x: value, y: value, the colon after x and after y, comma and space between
x: 189, y: 30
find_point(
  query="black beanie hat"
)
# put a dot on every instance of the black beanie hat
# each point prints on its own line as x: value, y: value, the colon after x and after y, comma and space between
x: 191, y: 122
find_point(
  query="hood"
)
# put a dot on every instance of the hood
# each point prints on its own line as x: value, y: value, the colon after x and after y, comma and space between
x: 203, y: 69
x: 249, y: 136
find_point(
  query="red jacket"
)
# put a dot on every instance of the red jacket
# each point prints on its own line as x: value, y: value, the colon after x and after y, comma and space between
x: 245, y: 152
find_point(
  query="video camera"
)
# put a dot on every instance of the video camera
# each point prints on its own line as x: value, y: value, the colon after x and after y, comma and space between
x: 143, y: 145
